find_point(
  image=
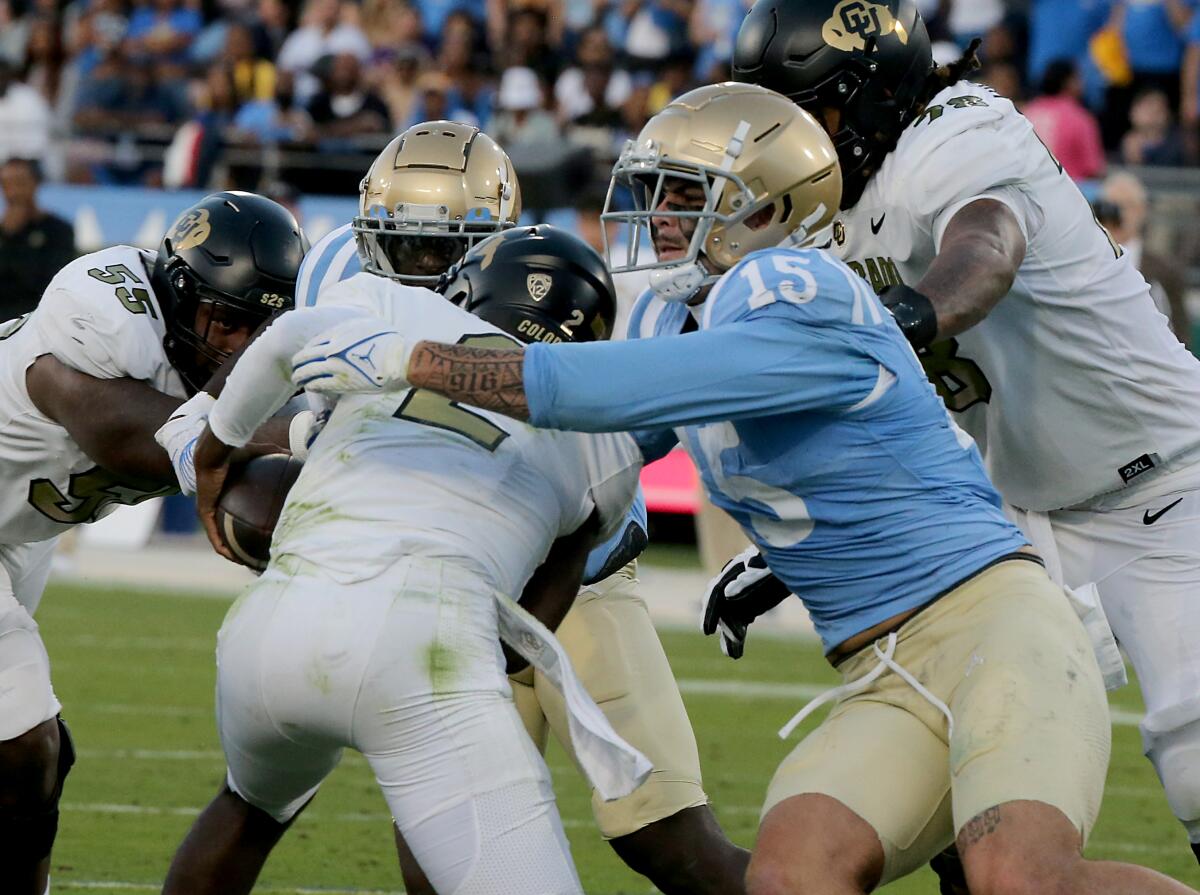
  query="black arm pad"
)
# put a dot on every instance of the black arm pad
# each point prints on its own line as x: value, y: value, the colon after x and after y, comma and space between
x: 914, y: 312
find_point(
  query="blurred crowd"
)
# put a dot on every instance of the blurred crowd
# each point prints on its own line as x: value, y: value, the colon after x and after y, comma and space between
x: 200, y: 93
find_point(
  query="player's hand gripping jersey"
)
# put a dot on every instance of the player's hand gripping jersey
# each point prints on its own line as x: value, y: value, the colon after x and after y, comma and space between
x: 839, y: 461
x: 100, y: 317
x: 1073, y: 385
x: 408, y: 473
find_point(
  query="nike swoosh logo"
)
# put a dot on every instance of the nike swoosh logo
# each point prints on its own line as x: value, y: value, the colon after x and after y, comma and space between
x: 876, y: 224
x: 1150, y: 518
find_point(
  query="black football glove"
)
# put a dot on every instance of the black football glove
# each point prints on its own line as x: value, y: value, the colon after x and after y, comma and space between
x: 743, y: 591
x: 913, y: 312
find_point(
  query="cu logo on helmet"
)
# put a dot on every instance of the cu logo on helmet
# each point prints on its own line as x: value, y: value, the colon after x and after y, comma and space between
x: 854, y: 21
x: 538, y: 285
x: 860, y: 19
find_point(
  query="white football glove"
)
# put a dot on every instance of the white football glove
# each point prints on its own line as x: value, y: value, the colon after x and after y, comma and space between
x: 360, y: 355
x: 178, y: 436
x: 743, y: 590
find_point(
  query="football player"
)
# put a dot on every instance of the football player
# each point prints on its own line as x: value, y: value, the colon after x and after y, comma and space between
x: 375, y: 624
x: 418, y: 215
x: 120, y: 338
x: 1037, y: 331
x: 972, y: 704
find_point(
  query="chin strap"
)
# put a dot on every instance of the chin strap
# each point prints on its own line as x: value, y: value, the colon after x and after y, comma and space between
x: 679, y: 283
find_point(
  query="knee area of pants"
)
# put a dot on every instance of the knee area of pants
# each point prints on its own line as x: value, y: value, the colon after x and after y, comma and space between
x: 1175, y: 754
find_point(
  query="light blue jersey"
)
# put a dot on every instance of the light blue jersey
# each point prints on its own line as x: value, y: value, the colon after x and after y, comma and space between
x: 335, y: 258
x: 811, y: 423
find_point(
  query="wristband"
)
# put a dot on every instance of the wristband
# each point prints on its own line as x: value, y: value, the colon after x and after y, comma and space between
x: 914, y: 313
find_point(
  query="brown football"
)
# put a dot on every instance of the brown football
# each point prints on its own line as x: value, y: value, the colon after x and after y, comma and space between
x: 249, y: 506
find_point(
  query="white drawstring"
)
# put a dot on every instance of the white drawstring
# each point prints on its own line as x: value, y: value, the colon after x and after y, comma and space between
x: 885, y: 662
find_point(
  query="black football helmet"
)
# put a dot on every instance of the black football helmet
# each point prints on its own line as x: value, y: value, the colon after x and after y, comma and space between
x: 240, y: 252
x: 869, y: 60
x: 538, y: 284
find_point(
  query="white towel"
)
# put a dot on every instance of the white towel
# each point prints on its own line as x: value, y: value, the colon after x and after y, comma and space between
x: 613, y: 767
x: 1085, y: 599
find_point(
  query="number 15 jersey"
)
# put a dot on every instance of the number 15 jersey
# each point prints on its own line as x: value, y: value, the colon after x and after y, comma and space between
x: 99, y: 316
x: 1073, y: 385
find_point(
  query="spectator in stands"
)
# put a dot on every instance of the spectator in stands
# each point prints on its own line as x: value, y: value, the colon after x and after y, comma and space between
x: 121, y: 102
x: 1004, y: 78
x: 271, y: 24
x: 24, y: 118
x: 593, y: 91
x: 1153, y: 138
x: 1152, y: 35
x: 253, y: 76
x: 396, y: 82
x: 520, y: 117
x: 1189, y: 91
x: 464, y: 61
x: 345, y: 108
x: 1122, y: 211
x: 436, y: 13
x: 1064, y: 125
x: 1061, y: 29
x: 34, y: 244
x: 274, y: 120
x: 160, y: 31
x: 712, y: 27
x: 674, y: 78
x: 656, y: 30
x: 44, y: 58
x: 12, y: 35
x: 525, y: 43
x: 321, y: 33
x: 970, y: 19
x: 391, y: 26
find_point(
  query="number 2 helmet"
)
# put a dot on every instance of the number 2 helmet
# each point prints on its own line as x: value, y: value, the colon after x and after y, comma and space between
x: 238, y: 252
x: 767, y: 169
x: 538, y: 284
x: 434, y: 191
x: 870, y: 61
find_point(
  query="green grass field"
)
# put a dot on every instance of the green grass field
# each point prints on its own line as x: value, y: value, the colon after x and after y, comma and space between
x: 135, y: 674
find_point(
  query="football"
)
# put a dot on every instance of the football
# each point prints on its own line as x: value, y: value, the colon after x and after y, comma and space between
x: 249, y: 506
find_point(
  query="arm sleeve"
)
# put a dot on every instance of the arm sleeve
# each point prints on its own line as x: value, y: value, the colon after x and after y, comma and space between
x: 261, y: 382
x: 760, y: 366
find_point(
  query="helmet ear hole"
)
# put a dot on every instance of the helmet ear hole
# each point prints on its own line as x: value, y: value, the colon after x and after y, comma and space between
x: 761, y: 218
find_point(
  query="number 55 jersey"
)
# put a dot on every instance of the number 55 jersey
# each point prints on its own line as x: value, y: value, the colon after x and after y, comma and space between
x: 99, y: 316
x: 1073, y: 385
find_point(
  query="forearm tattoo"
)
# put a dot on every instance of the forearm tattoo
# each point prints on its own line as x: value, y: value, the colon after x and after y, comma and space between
x: 490, y: 378
x: 979, y: 826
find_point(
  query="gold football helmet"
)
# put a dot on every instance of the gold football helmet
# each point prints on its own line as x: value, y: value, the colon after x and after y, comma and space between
x: 767, y: 169
x: 436, y: 190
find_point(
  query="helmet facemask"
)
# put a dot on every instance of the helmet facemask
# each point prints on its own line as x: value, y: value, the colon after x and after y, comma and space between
x: 187, y: 344
x: 732, y: 222
x: 418, y: 244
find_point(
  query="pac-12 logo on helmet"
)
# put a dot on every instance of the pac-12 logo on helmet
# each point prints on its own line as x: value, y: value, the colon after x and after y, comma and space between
x: 568, y: 296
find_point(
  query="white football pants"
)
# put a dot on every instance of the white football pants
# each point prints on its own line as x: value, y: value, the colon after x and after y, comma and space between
x: 407, y: 669
x: 1142, y: 551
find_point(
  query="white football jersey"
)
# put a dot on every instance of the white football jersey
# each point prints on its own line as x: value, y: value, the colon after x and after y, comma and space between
x: 99, y: 316
x: 1073, y: 385
x: 410, y: 473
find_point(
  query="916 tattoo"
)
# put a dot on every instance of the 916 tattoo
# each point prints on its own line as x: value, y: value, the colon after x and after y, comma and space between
x: 489, y: 378
x: 979, y: 826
